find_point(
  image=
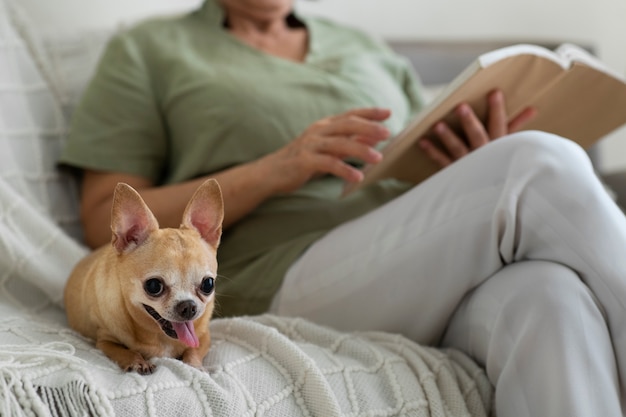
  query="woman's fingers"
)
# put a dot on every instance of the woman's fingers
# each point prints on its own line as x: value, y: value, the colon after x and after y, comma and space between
x: 452, y: 144
x: 497, y: 119
x: 522, y: 119
x: 440, y: 157
x: 370, y: 113
x: 473, y: 128
x: 325, y: 145
x: 352, y: 134
x: 329, y: 164
x: 363, y: 123
x: 326, y: 155
x: 474, y: 133
x: 345, y: 147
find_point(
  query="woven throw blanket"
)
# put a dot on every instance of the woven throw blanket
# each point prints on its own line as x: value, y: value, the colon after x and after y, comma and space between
x: 269, y: 366
x: 264, y: 365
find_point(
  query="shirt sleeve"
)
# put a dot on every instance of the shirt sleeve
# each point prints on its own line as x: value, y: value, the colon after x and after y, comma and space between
x: 413, y: 88
x: 117, y: 125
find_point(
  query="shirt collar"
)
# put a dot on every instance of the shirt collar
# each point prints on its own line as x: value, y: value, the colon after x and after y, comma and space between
x: 213, y: 12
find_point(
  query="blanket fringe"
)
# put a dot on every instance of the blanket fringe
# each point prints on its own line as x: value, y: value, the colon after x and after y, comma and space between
x: 21, y: 367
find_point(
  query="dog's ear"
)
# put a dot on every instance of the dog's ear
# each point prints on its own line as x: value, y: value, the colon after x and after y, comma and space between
x: 205, y: 212
x: 131, y: 219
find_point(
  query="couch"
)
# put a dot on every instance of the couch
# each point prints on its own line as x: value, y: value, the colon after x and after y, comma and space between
x: 262, y: 365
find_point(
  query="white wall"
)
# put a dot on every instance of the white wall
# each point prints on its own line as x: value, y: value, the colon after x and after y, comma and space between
x: 59, y: 16
x: 601, y: 23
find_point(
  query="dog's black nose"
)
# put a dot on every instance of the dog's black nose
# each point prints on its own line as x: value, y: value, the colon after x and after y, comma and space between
x: 186, y: 310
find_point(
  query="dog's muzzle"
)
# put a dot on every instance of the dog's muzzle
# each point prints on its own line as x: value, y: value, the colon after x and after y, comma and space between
x: 166, y: 325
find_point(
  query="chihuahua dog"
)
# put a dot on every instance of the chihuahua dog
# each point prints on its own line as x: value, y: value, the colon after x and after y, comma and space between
x: 150, y: 293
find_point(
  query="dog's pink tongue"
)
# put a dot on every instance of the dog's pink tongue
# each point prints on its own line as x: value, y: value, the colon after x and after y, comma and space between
x: 186, y: 333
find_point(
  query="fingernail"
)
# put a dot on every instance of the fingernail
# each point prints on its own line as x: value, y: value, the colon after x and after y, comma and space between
x: 383, y: 111
x: 497, y: 95
x: 464, y: 110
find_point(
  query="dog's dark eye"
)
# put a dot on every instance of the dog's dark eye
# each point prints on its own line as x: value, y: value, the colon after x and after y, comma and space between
x: 154, y: 287
x: 207, y: 286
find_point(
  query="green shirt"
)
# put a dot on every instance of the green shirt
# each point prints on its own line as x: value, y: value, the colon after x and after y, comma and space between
x: 178, y: 98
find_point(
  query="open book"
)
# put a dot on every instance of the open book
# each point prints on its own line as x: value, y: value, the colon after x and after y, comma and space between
x: 575, y: 94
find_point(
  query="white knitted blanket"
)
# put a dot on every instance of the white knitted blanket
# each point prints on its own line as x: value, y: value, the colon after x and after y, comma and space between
x: 264, y: 365
x: 257, y: 366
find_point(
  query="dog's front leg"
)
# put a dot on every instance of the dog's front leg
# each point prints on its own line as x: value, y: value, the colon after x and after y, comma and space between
x: 195, y: 356
x: 127, y: 359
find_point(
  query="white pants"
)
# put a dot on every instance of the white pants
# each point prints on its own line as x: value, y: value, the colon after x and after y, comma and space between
x: 515, y: 255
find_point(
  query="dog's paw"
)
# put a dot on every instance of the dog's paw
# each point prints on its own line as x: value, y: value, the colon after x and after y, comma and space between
x: 196, y: 364
x: 194, y: 358
x: 200, y: 367
x: 141, y: 366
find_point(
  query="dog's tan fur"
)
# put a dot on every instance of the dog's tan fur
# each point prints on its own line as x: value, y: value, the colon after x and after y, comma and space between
x: 105, y: 294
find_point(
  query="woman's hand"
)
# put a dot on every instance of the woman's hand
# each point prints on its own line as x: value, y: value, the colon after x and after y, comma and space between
x: 476, y: 133
x: 323, y: 147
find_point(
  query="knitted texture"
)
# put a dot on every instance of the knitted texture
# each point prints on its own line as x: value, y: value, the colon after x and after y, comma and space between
x: 263, y: 365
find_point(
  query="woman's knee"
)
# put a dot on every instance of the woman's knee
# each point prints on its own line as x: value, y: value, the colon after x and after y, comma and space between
x: 549, y: 164
x: 550, y: 299
x: 552, y: 313
x: 549, y: 320
x: 525, y: 299
x: 525, y: 303
x: 546, y: 150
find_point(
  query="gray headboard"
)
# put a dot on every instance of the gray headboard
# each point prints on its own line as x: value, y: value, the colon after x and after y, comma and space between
x: 438, y: 62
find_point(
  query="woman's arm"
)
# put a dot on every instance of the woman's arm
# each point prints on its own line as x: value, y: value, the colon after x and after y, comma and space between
x: 321, y: 149
x: 242, y: 190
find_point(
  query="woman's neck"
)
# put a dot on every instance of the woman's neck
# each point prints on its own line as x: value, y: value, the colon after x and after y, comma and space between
x: 255, y: 27
x: 279, y: 34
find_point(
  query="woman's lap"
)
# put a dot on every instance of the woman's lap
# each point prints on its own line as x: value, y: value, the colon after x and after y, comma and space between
x: 407, y: 266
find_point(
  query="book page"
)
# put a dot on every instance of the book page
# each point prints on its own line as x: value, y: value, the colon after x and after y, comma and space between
x: 573, y: 53
x: 492, y: 57
x: 584, y: 106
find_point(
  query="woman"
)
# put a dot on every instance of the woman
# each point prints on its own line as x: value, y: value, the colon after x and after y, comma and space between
x: 512, y: 254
